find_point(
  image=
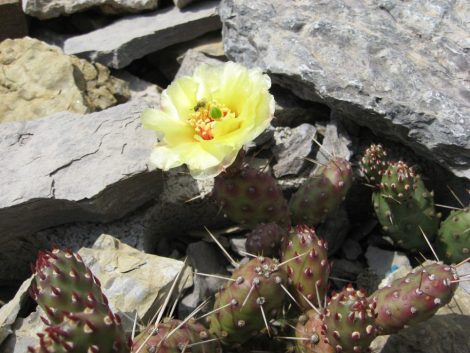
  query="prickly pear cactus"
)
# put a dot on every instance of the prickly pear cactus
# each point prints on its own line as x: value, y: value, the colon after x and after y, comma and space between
x: 63, y: 284
x: 308, y: 332
x: 78, y: 315
x: 321, y: 194
x: 402, y: 219
x: 453, y: 237
x: 265, y: 239
x: 415, y: 297
x: 250, y: 197
x: 374, y: 163
x: 190, y: 337
x: 91, y: 331
x: 246, y: 304
x: 349, y: 321
x: 308, y: 273
x: 398, y: 181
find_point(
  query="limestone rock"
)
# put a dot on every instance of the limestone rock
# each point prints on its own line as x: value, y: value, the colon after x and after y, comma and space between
x: 384, y: 263
x: 133, y: 281
x: 44, y: 9
x: 193, y: 59
x: 13, y: 22
x: 397, y: 67
x: 69, y: 167
x: 291, y: 149
x: 133, y: 37
x: 38, y: 79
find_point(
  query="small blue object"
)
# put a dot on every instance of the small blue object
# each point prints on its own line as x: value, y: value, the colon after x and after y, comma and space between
x: 393, y: 268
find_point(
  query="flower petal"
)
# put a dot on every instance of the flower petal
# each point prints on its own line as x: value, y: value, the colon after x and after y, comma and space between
x: 179, y: 99
x: 172, y: 131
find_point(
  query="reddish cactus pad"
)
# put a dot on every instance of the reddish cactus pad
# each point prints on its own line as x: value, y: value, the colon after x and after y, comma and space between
x: 321, y: 194
x: 265, y: 240
x: 349, y: 321
x: 374, y: 163
x: 415, y: 297
x: 308, y: 273
x: 309, y: 332
x: 250, y: 197
x: 190, y: 336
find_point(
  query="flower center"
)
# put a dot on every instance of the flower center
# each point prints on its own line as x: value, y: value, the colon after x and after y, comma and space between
x: 204, y: 117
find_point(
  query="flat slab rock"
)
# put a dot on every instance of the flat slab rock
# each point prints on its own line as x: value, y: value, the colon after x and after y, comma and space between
x: 70, y: 167
x: 133, y: 37
x: 397, y: 67
x: 45, y: 9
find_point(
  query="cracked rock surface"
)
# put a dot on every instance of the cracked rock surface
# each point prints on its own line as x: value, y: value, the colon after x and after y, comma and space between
x: 69, y: 167
x: 397, y: 67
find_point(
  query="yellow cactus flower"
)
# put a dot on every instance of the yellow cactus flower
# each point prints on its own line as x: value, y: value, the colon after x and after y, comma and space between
x: 204, y: 120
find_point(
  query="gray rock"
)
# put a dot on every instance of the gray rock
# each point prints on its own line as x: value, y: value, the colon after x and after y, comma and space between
x: 291, y: 149
x: 133, y: 37
x: 346, y: 270
x: 238, y: 245
x: 351, y: 249
x: 69, y: 168
x: 140, y: 89
x: 44, y: 9
x: 207, y: 259
x: 464, y: 270
x: 13, y: 22
x: 399, y: 68
x: 384, y: 262
x: 191, y: 60
x: 336, y: 142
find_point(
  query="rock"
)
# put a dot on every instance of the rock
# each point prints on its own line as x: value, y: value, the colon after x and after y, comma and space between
x: 346, y: 270
x: 13, y: 22
x: 30, y: 88
x: 44, y: 9
x: 183, y: 206
x: 133, y: 37
x: 24, y: 334
x: 291, y: 149
x: 10, y: 311
x: 183, y: 3
x: 238, y: 245
x: 351, y: 249
x: 464, y: 270
x: 69, y: 168
x: 207, y: 259
x: 133, y: 281
x: 292, y: 111
x: 398, y: 68
x: 384, y: 262
x: 335, y: 142
x: 193, y: 59
x: 140, y: 89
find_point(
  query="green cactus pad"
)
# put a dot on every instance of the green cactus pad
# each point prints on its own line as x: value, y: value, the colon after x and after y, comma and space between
x: 309, y: 333
x: 415, y: 297
x: 63, y: 283
x: 190, y: 336
x: 250, y: 197
x: 402, y: 220
x: 255, y: 290
x: 453, y: 237
x: 308, y: 273
x: 321, y: 194
x: 398, y: 181
x: 349, y: 321
x: 374, y: 163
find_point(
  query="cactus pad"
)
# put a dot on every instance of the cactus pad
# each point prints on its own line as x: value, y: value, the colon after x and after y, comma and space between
x: 373, y: 164
x: 349, y: 321
x: 265, y: 240
x: 415, y: 297
x: 308, y: 273
x: 255, y: 290
x: 190, y: 336
x: 453, y: 237
x: 250, y: 197
x: 398, y: 181
x: 309, y: 333
x: 321, y: 194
